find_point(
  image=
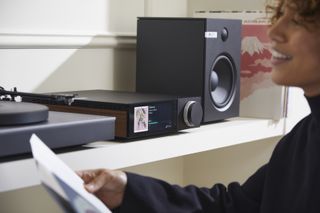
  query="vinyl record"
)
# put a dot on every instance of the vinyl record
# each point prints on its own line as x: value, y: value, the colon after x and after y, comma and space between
x: 19, y: 113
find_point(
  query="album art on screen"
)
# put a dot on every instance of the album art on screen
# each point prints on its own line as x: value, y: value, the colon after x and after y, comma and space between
x: 259, y: 96
x: 141, y: 119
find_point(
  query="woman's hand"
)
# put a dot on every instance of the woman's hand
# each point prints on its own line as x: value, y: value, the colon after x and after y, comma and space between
x: 108, y: 185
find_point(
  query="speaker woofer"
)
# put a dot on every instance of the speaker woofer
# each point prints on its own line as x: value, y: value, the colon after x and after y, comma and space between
x: 222, y: 82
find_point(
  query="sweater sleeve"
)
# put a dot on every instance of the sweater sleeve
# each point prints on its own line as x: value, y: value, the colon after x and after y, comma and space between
x: 146, y: 194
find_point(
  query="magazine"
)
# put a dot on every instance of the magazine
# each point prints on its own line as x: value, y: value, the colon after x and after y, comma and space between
x: 62, y: 183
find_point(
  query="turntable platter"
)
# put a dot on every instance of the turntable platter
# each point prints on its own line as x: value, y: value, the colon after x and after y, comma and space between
x: 19, y: 113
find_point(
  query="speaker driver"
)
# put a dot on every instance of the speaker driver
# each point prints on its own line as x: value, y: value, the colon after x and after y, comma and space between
x: 222, y: 81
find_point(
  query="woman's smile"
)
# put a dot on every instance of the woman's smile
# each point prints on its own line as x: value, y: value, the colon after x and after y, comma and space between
x: 279, y: 58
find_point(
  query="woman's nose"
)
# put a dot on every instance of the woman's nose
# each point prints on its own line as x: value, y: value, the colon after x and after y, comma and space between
x: 277, y: 31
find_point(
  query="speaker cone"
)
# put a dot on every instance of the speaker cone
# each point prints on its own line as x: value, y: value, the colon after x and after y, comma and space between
x: 222, y: 82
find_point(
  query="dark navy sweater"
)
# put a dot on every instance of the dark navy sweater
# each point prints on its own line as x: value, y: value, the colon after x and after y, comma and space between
x: 288, y: 183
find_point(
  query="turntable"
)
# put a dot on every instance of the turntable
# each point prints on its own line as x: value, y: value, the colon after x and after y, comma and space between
x: 15, y: 113
x: 19, y: 120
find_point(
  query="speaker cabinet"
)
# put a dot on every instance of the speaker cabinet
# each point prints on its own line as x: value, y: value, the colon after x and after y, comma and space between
x: 191, y: 57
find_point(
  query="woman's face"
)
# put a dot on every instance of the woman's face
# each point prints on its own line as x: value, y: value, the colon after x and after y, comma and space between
x: 296, y: 54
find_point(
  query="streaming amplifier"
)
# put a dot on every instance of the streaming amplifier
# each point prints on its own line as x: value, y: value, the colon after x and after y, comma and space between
x: 137, y: 114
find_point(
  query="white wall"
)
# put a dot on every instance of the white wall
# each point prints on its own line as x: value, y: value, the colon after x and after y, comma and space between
x: 48, y: 46
x: 69, y: 16
x: 49, y: 70
x: 68, y: 45
x: 235, y: 163
x: 297, y: 107
x: 166, y: 8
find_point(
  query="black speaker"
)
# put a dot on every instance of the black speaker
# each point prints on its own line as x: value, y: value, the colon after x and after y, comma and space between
x: 191, y: 57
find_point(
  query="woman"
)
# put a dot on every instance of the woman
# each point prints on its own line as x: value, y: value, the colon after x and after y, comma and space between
x: 289, y: 182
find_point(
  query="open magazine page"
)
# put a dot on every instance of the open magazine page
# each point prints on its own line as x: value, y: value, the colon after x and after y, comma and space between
x: 63, y: 184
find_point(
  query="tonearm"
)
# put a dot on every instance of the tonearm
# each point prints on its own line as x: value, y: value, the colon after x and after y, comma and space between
x: 11, y: 96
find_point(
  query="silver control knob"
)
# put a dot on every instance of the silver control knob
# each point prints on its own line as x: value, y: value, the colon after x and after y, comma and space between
x: 192, y: 113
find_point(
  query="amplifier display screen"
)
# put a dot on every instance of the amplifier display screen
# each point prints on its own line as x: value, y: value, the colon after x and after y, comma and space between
x: 154, y: 118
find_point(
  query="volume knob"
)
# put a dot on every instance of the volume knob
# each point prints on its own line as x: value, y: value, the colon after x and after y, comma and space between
x: 192, y: 113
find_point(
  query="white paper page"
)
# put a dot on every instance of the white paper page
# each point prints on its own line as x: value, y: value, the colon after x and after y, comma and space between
x: 63, y: 178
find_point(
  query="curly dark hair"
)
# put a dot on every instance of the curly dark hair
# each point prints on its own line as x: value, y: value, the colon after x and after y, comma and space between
x: 307, y: 11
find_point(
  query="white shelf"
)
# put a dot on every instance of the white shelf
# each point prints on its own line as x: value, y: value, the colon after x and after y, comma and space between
x: 22, y: 173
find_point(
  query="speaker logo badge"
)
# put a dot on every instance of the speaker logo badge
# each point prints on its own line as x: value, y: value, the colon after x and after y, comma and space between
x: 211, y: 35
